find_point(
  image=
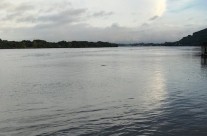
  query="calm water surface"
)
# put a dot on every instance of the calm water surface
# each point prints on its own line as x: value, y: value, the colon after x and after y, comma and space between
x: 145, y: 91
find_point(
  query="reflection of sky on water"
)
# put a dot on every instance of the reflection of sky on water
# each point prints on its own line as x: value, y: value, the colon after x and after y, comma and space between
x: 134, y: 91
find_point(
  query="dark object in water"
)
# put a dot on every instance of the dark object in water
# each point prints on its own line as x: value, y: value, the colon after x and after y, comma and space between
x: 204, y: 49
x: 203, y: 60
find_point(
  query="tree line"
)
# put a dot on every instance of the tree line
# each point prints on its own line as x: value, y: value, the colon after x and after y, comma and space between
x: 4, y: 44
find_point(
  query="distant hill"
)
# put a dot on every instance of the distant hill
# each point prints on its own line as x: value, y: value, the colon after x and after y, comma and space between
x: 198, y: 38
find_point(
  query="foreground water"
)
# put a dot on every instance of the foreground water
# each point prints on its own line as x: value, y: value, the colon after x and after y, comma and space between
x: 145, y: 91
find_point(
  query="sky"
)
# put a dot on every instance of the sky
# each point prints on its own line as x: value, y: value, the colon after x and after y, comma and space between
x: 119, y: 21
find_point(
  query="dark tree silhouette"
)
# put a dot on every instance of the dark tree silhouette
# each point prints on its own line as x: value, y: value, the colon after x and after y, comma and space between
x: 4, y: 44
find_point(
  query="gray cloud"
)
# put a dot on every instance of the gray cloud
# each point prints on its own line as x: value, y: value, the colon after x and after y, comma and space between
x: 154, y: 18
x: 69, y: 16
x: 23, y: 7
x: 26, y: 18
x: 15, y: 12
x: 10, y: 7
x: 34, y: 15
x: 102, y: 14
x: 145, y: 24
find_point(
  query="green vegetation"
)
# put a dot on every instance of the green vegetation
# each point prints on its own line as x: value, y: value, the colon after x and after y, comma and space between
x: 4, y: 44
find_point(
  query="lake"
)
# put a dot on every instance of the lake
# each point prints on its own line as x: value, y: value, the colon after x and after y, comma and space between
x: 125, y: 91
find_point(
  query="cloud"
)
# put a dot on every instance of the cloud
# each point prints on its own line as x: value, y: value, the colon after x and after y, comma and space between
x: 30, y: 14
x: 102, y: 14
x: 17, y: 11
x: 154, y: 18
x: 122, y: 11
x: 67, y: 16
x: 94, y: 20
x: 161, y: 6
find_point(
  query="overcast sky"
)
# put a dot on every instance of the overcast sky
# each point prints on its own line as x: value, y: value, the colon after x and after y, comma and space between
x: 123, y: 21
